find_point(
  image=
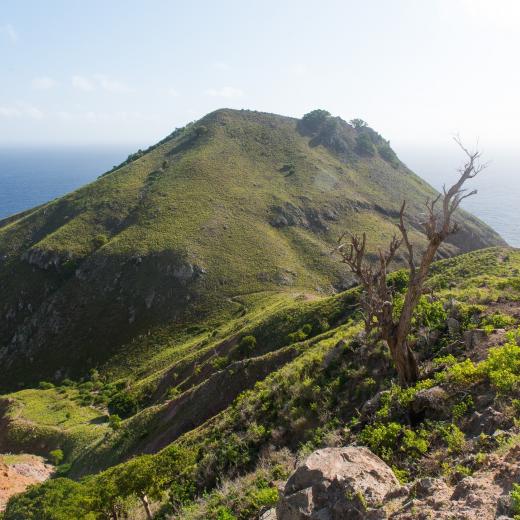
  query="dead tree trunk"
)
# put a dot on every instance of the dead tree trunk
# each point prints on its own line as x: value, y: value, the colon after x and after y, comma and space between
x: 146, y: 505
x: 377, y: 299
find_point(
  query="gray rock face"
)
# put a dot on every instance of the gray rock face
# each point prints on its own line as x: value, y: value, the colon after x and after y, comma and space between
x: 453, y: 326
x: 473, y: 338
x: 432, y: 401
x: 338, y: 483
x: 488, y: 422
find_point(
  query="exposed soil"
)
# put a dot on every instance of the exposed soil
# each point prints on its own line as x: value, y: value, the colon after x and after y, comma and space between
x: 483, y: 496
x: 20, y: 471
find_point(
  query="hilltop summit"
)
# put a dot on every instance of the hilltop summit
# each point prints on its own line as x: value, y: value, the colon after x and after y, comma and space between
x: 237, y: 203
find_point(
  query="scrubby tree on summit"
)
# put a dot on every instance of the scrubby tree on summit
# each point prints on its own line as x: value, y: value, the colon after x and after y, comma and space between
x: 377, y: 300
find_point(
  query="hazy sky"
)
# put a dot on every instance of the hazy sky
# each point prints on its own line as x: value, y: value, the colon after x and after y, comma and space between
x: 99, y: 71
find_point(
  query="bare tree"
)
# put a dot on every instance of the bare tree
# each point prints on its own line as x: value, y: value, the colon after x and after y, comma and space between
x: 377, y: 302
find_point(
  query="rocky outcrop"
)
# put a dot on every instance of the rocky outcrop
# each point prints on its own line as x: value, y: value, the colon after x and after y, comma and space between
x: 46, y: 259
x: 338, y: 483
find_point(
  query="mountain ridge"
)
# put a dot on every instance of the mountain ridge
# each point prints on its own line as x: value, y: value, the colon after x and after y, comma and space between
x: 236, y: 203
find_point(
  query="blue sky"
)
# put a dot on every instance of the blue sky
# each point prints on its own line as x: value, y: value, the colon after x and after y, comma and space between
x: 128, y: 72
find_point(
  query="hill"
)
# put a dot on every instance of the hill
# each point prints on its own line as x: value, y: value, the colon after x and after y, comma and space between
x: 233, y: 209
x: 223, y: 429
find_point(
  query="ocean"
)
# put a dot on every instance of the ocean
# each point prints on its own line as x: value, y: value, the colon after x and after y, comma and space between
x: 498, y: 199
x: 29, y: 177
x: 34, y: 176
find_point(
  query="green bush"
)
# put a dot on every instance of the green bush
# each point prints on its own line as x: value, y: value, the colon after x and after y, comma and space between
x: 219, y: 362
x: 114, y: 421
x: 56, y: 499
x: 387, y: 439
x: 56, y: 457
x: 45, y: 385
x: 364, y: 145
x: 100, y: 241
x: 246, y: 346
x: 301, y: 334
x: 515, y: 501
x: 312, y: 121
x: 498, y: 320
x: 123, y: 404
x: 388, y: 154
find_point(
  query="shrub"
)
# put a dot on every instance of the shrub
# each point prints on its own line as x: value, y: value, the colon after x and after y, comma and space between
x: 358, y: 123
x: 247, y: 345
x: 386, y: 439
x: 388, y: 154
x: 498, y: 320
x: 100, y: 241
x: 123, y: 404
x: 502, y: 367
x: 56, y: 457
x: 515, y: 501
x: 454, y: 438
x: 45, y: 385
x: 301, y: 334
x: 312, y: 121
x: 114, y: 422
x: 364, y: 145
x: 219, y: 362
x: 223, y: 513
x: 59, y: 499
x: 201, y: 130
x: 430, y: 314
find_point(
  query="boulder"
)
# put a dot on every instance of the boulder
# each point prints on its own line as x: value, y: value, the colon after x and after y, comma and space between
x: 474, y: 337
x: 488, y: 422
x: 453, y: 326
x: 431, y: 401
x: 338, y: 483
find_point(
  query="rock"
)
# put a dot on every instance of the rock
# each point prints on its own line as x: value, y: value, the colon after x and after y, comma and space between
x: 473, y: 338
x: 504, y: 506
x: 453, y: 326
x: 431, y: 400
x: 488, y: 422
x: 428, y: 486
x: 369, y: 409
x: 268, y: 515
x: 338, y: 483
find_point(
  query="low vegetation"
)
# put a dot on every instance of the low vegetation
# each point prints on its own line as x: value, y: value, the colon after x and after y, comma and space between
x: 226, y: 467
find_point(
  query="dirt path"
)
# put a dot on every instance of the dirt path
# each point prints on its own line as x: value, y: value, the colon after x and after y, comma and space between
x: 17, y: 472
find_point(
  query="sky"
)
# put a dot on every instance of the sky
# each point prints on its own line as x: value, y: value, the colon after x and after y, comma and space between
x: 129, y: 72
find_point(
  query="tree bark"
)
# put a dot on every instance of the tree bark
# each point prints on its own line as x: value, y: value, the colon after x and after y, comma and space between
x: 404, y: 360
x: 146, y: 505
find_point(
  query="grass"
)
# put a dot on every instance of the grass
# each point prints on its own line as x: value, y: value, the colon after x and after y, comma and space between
x: 314, y: 399
x: 43, y: 420
x: 169, y: 239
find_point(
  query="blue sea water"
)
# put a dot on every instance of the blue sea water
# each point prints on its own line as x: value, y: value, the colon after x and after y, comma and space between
x: 30, y: 177
x: 498, y: 199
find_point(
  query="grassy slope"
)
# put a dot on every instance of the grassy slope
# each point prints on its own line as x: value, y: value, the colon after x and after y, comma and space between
x: 170, y: 238
x: 314, y: 398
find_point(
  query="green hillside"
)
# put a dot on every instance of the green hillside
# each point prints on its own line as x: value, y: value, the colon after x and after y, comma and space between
x: 238, y: 208
x: 239, y: 411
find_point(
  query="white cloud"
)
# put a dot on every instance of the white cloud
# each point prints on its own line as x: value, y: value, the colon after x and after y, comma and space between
x: 43, y: 83
x: 9, y: 32
x: 100, y: 81
x: 21, y: 110
x: 111, y: 85
x: 82, y: 83
x: 225, y: 92
x: 173, y: 92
